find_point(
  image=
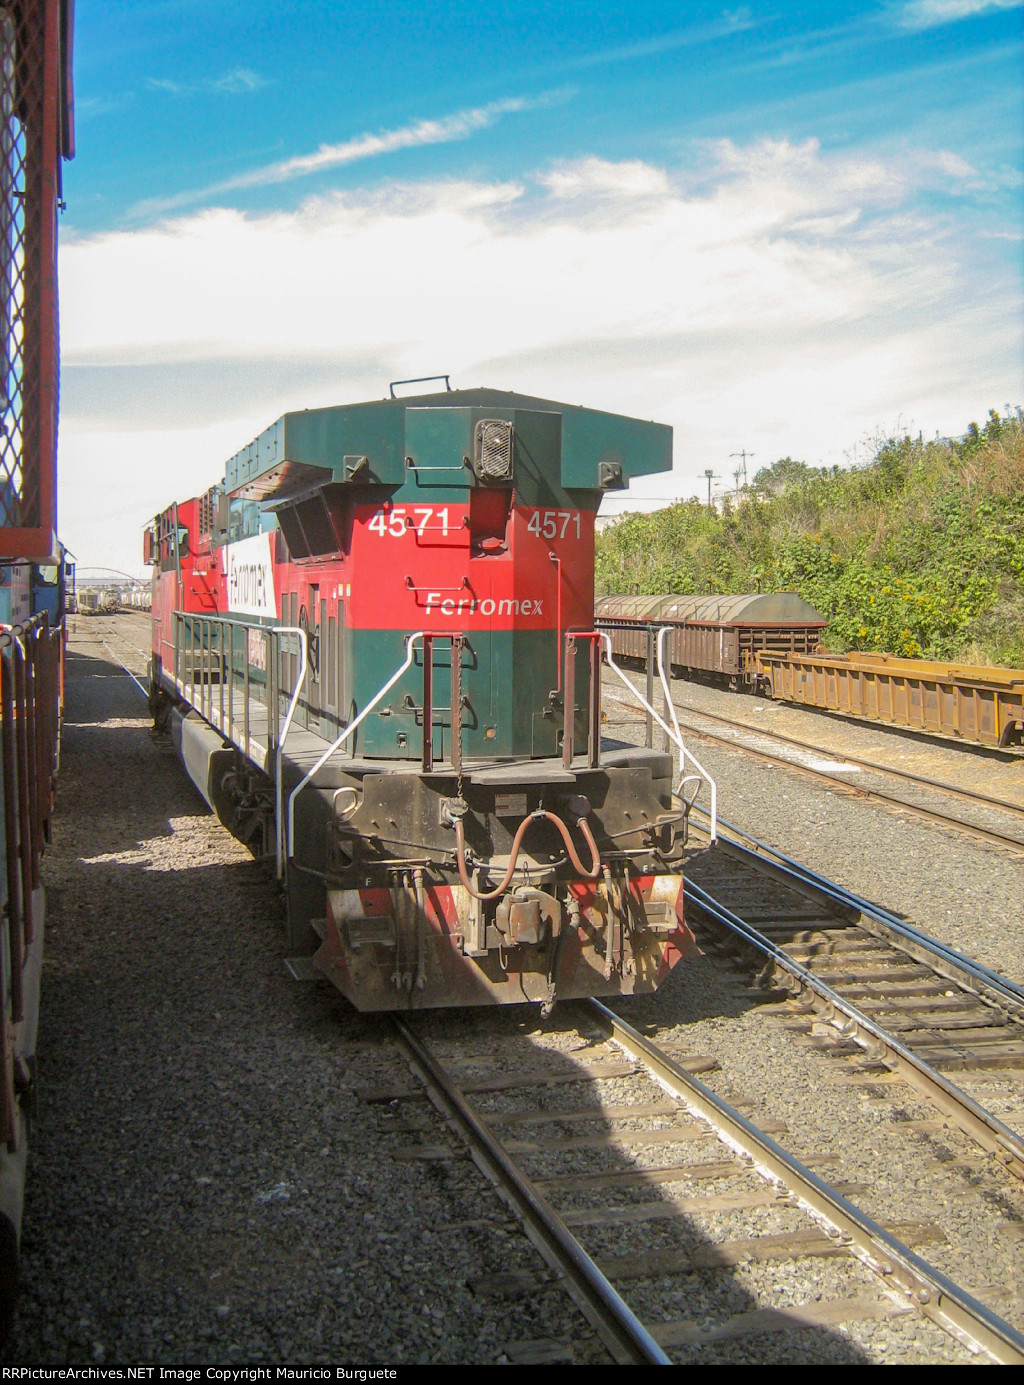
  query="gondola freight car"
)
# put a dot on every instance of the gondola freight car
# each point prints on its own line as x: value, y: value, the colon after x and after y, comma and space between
x: 374, y: 646
x: 716, y: 635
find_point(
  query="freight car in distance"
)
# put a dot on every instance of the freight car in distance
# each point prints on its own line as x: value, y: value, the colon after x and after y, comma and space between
x: 963, y: 702
x: 769, y: 644
x: 717, y: 635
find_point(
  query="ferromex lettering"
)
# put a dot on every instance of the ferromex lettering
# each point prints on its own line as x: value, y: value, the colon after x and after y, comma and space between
x: 250, y: 577
x: 457, y: 606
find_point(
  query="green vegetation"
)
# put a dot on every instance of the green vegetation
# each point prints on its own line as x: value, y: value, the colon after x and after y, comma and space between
x: 919, y: 553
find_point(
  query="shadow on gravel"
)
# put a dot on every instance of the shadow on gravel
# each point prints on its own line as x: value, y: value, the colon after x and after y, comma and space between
x: 80, y: 710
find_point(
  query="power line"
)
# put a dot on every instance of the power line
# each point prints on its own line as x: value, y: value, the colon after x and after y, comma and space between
x: 744, y: 454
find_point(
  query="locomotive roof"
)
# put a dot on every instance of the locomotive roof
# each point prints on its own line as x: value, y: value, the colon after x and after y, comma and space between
x: 369, y: 443
x: 755, y: 608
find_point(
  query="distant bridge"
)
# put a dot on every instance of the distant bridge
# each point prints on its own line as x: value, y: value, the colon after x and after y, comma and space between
x: 107, y: 577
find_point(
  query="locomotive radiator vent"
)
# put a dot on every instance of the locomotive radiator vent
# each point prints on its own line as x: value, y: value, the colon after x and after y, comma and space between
x: 492, y: 449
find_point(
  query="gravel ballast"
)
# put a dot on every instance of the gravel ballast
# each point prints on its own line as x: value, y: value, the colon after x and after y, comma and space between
x: 207, y: 1186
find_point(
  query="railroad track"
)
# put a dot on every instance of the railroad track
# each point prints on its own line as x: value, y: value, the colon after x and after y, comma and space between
x: 868, y: 983
x: 882, y: 986
x: 107, y: 634
x: 977, y: 800
x: 631, y: 1177
x: 733, y: 738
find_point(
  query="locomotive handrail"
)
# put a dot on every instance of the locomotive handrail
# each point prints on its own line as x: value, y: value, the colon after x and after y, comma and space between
x: 675, y: 736
x: 29, y: 729
x: 187, y: 623
x: 300, y: 678
x: 567, y: 685
x: 10, y: 633
x: 663, y: 677
x: 275, y: 730
x: 340, y: 740
x: 420, y: 380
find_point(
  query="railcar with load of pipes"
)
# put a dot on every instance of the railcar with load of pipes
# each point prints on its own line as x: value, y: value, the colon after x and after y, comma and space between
x: 374, y: 647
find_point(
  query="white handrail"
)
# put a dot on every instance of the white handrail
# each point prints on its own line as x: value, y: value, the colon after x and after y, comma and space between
x: 660, y: 650
x: 679, y: 735
x: 417, y: 635
x: 300, y: 678
x: 674, y: 735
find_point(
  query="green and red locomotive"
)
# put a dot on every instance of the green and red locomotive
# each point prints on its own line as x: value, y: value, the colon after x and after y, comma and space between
x: 373, y: 644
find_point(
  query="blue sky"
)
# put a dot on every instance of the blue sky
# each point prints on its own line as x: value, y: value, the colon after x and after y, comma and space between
x: 785, y: 227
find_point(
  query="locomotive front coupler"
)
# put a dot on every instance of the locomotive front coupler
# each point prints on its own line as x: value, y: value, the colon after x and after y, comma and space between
x: 528, y: 917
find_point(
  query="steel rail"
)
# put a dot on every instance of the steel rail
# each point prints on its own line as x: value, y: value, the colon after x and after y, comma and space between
x: 144, y: 690
x: 967, y: 795
x: 921, y: 945
x: 615, y: 1322
x: 931, y: 1292
x: 984, y: 834
x: 981, y: 1125
x: 129, y: 644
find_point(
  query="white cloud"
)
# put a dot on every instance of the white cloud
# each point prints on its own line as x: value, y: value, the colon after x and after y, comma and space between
x: 730, y: 22
x: 593, y: 176
x: 168, y: 85
x: 239, y: 81
x: 781, y: 299
x: 451, y: 127
x: 929, y: 14
x: 953, y: 165
x: 445, y: 130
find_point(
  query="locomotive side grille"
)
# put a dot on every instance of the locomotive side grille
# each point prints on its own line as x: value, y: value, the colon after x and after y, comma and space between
x: 492, y: 446
x: 207, y: 510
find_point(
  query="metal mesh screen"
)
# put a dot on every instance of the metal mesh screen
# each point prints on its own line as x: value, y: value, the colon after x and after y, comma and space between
x: 494, y: 449
x: 28, y: 301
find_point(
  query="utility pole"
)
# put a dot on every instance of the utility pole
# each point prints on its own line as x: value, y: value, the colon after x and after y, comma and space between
x: 711, y: 477
x: 744, y: 454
